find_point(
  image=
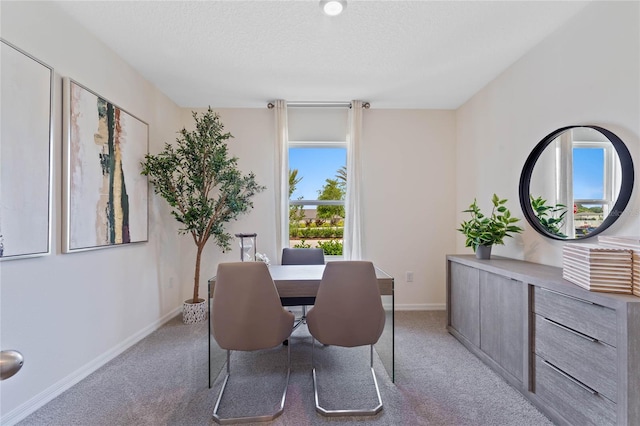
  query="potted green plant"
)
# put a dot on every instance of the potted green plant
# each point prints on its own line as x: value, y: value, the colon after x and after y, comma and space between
x: 483, y: 232
x: 551, y: 218
x: 204, y: 188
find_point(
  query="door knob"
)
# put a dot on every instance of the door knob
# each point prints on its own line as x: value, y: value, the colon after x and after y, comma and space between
x: 10, y: 363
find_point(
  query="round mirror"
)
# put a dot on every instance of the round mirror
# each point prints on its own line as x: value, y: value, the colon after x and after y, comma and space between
x: 576, y: 182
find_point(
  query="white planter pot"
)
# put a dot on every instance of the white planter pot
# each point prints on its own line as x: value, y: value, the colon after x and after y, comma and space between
x: 193, y: 313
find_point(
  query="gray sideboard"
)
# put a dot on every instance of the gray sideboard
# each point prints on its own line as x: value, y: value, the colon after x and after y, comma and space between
x: 574, y: 354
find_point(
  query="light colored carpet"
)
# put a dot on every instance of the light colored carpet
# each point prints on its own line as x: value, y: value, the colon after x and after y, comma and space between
x: 163, y: 381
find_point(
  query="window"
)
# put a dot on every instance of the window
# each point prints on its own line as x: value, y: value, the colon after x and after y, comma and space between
x: 590, y: 168
x: 593, y: 184
x: 317, y: 177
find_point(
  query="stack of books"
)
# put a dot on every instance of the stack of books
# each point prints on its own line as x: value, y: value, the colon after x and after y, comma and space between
x: 598, y: 267
x: 629, y: 243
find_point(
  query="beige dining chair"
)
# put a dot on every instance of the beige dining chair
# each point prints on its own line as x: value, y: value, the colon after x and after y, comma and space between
x: 247, y: 316
x: 348, y: 312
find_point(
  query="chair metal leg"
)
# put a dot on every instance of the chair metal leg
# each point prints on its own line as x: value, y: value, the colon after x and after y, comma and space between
x: 250, y: 419
x: 302, y: 319
x: 298, y: 322
x: 354, y: 412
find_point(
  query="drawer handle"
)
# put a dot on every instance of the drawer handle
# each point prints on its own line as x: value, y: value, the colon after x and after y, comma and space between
x: 566, y: 295
x: 565, y: 328
x: 571, y: 379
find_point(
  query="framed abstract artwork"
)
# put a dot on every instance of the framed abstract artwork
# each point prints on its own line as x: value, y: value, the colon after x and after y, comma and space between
x: 25, y: 154
x: 105, y: 196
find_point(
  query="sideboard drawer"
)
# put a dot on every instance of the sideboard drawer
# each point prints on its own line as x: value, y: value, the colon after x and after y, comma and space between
x: 586, y: 359
x: 576, y: 401
x: 580, y: 315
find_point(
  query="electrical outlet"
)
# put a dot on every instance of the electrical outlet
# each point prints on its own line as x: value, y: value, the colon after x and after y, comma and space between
x: 409, y: 276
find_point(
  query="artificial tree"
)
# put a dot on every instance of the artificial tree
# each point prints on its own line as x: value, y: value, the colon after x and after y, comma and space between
x: 202, y: 184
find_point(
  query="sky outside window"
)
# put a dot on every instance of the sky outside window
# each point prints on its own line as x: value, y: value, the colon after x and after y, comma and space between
x: 588, y: 173
x: 315, y: 166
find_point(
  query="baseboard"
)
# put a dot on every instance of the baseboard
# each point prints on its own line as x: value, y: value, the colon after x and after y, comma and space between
x: 417, y: 307
x: 23, y: 410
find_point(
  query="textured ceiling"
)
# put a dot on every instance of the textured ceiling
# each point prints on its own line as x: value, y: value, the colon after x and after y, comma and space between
x: 394, y: 54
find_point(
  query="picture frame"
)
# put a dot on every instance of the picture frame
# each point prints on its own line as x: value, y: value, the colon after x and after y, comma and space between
x: 105, y: 197
x: 26, y: 154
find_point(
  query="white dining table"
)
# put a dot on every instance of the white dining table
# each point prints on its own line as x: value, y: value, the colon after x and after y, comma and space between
x: 304, y: 280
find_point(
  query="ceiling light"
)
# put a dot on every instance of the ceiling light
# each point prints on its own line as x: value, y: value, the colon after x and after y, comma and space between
x: 333, y: 7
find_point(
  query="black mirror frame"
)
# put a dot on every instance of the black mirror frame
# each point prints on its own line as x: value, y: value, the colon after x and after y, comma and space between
x: 626, y: 187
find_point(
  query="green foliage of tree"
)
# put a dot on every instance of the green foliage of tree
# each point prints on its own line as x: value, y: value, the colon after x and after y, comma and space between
x: 294, y: 180
x: 302, y: 244
x: 332, y: 247
x: 331, y: 191
x: 341, y: 177
x: 583, y: 209
x: 296, y: 213
x: 488, y: 230
x: 202, y: 184
x: 551, y: 218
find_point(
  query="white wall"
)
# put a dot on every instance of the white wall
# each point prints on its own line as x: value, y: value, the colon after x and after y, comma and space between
x: 585, y: 73
x: 68, y: 313
x: 409, y: 174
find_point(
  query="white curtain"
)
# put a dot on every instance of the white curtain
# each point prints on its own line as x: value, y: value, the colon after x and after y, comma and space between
x: 282, y: 179
x: 352, y: 249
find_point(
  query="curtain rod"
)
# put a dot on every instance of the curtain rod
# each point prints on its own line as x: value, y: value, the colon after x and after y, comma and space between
x: 365, y: 105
